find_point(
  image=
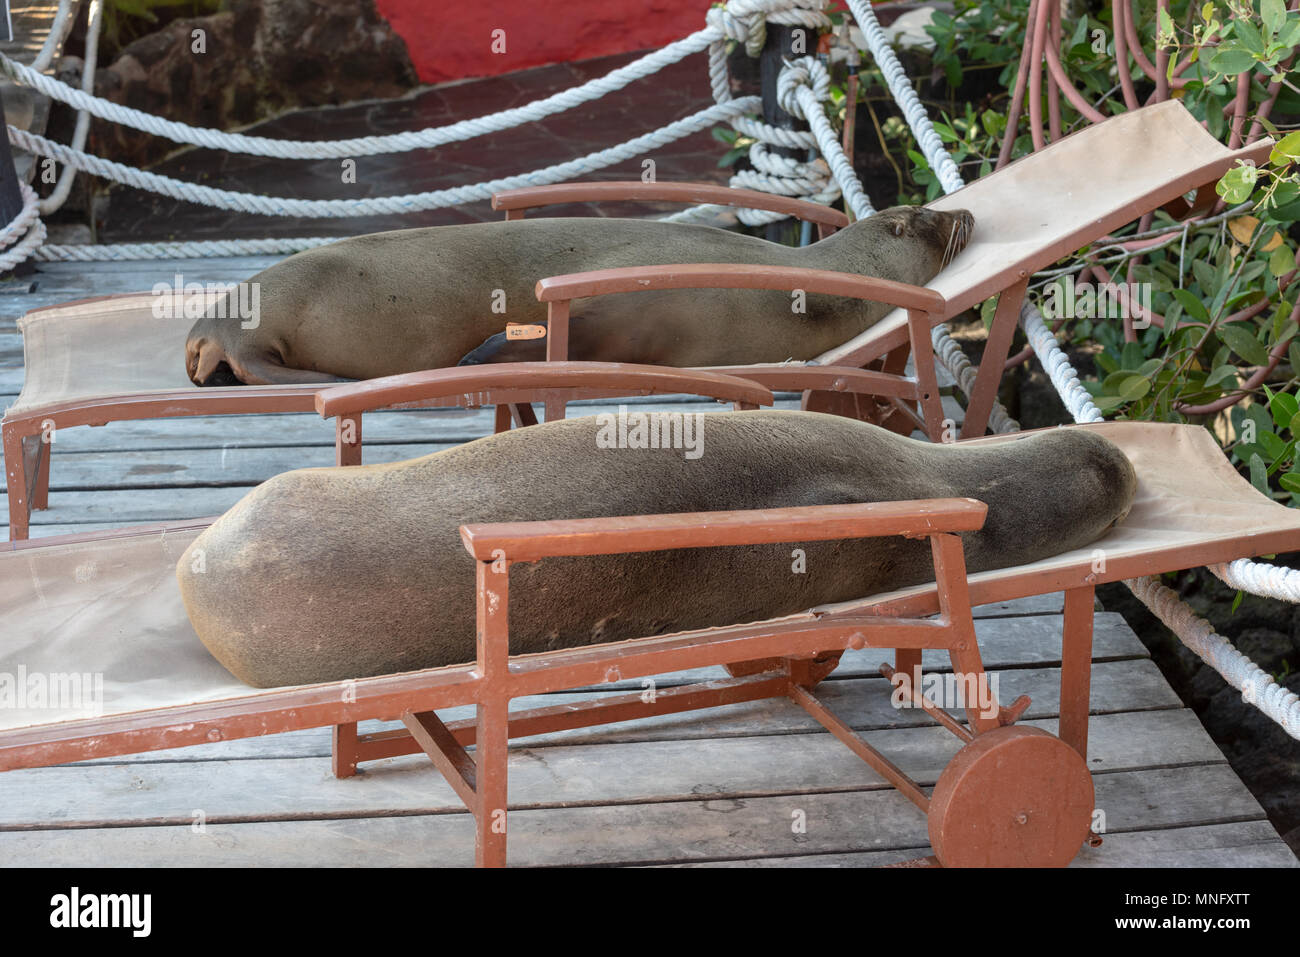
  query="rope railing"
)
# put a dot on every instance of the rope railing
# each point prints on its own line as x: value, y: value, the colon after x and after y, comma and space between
x: 740, y: 20
x: 375, y: 205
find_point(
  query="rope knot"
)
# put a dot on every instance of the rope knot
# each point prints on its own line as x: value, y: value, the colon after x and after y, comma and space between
x: 745, y: 21
x: 806, y: 71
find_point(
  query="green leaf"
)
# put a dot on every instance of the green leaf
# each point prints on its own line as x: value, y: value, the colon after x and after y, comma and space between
x: 1293, y: 354
x: 1241, y: 341
x: 1288, y: 147
x: 1236, y: 602
x: 1248, y: 33
x: 1232, y: 60
x: 1105, y: 403
x: 1273, y: 445
x: 1221, y: 374
x: 987, y: 308
x: 1289, y: 35
x: 1134, y: 387
x: 1273, y: 13
x: 1283, y: 408
x: 1281, y: 261
x: 1166, y: 33
x: 1258, y: 474
x: 1294, y: 425
x: 1289, y: 481
x: 1237, y: 183
x: 1191, y: 305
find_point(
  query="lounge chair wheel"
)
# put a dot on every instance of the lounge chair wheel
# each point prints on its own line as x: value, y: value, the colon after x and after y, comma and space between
x: 1013, y: 797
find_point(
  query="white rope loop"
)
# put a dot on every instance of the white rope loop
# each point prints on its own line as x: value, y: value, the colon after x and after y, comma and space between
x: 1256, y: 685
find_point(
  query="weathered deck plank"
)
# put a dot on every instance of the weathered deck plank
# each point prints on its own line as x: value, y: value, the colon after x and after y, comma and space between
x: 629, y: 833
x: 572, y: 775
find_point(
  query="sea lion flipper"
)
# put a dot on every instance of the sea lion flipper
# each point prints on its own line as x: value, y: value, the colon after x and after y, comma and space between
x: 260, y: 371
x: 500, y: 348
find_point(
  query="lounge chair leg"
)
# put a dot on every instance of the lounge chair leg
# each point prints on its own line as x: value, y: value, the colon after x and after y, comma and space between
x: 347, y: 439
x: 980, y: 402
x: 1076, y: 668
x: 344, y: 749
x: 908, y: 661
x: 16, y: 483
x: 491, y: 755
x: 523, y: 414
x: 40, y: 496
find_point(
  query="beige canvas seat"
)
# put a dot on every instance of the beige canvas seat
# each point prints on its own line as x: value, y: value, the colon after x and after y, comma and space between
x: 111, y: 359
x: 108, y: 605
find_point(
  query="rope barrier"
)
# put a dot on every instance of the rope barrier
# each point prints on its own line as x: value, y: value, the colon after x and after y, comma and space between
x: 378, y: 205
x: 366, y: 145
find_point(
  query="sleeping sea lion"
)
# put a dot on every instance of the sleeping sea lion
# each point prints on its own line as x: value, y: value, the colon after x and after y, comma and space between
x: 331, y: 573
x: 415, y: 299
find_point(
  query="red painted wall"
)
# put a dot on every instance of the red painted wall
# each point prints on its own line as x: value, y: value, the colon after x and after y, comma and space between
x: 448, y: 41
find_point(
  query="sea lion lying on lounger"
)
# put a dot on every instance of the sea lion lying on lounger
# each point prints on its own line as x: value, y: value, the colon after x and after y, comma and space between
x: 416, y: 299
x: 334, y: 573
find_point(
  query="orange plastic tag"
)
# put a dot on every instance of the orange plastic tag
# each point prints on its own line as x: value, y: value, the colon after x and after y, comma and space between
x: 519, y: 330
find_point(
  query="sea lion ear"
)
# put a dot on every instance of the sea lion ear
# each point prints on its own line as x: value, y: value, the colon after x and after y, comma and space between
x: 898, y: 228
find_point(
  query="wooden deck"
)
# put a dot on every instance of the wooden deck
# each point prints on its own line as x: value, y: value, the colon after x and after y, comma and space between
x: 716, y: 787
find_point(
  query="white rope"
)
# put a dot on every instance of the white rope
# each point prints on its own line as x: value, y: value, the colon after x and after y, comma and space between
x: 913, y: 110
x: 59, y: 28
x: 1260, y: 578
x: 59, y: 195
x: 27, y: 221
x: 1256, y: 685
x: 1077, y: 399
x: 745, y: 21
x: 947, y: 351
x: 366, y: 145
x: 377, y: 205
x: 203, y: 249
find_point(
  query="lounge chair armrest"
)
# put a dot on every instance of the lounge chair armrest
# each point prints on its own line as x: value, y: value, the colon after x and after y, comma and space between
x: 601, y: 282
x: 531, y: 541
x: 798, y: 377
x: 515, y: 201
x: 517, y: 381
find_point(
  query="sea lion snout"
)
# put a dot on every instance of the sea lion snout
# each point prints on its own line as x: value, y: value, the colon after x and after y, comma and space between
x: 207, y: 365
x: 955, y: 227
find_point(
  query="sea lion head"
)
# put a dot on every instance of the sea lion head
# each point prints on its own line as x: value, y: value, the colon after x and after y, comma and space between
x: 207, y: 359
x: 933, y: 237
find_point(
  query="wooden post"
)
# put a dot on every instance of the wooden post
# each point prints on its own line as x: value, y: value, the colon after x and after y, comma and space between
x: 776, y: 50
